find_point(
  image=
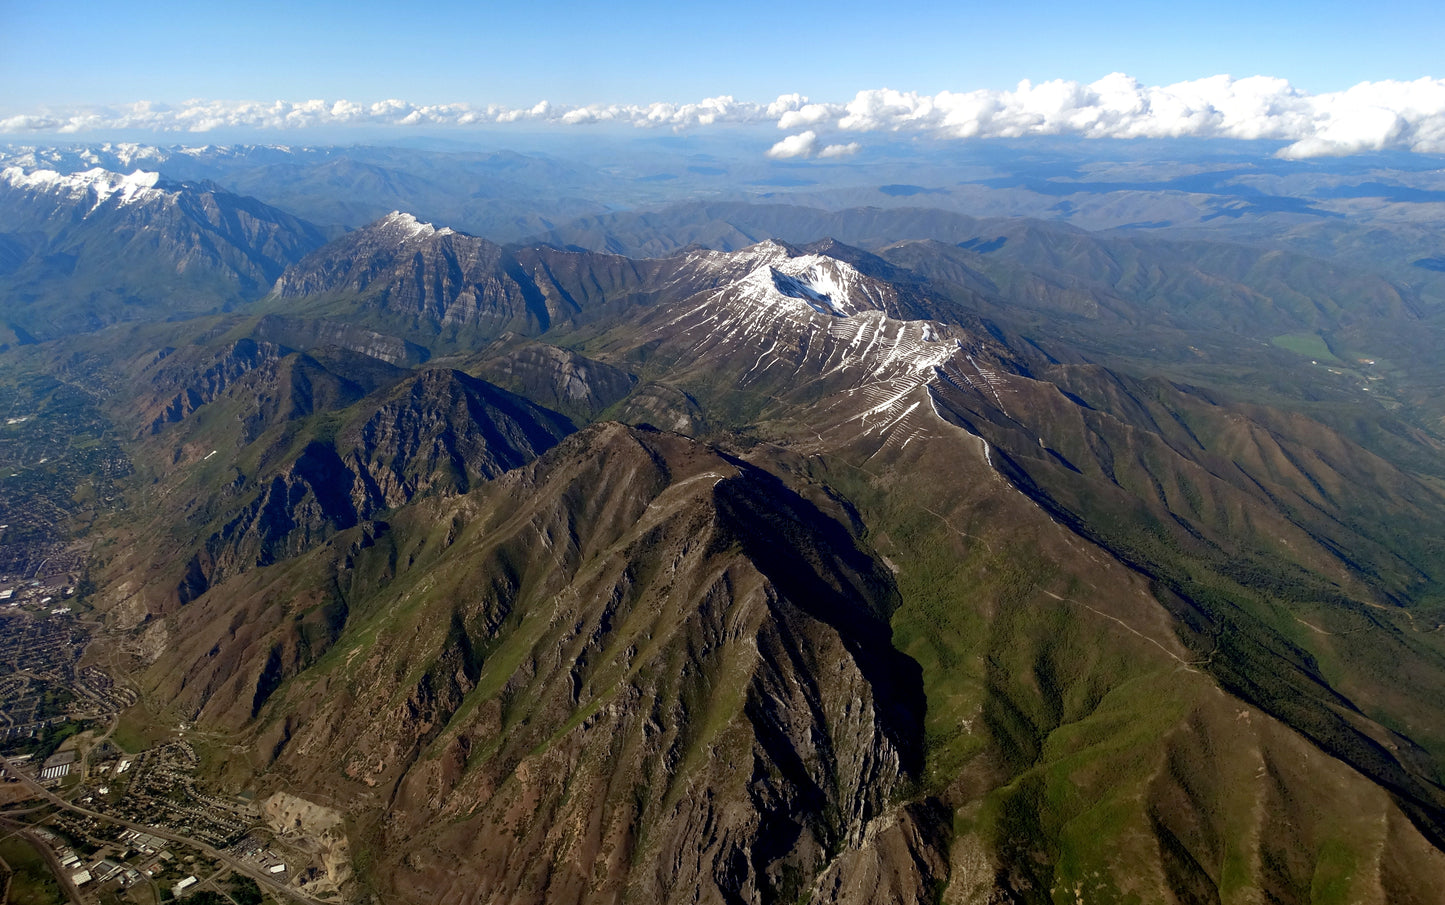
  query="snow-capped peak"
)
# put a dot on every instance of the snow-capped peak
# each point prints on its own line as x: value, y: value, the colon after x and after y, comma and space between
x: 735, y: 264
x: 825, y: 284
x: 103, y: 184
x: 411, y: 228
x: 798, y: 314
x: 128, y: 152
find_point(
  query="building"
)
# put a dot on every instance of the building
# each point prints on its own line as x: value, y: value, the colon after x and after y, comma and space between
x: 58, y: 765
x: 149, y: 844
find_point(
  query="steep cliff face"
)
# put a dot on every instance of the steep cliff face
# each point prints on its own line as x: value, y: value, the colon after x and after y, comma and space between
x: 411, y: 268
x: 260, y: 385
x: 309, y: 334
x: 184, y: 385
x: 559, y: 379
x: 310, y: 499
x: 445, y: 430
x: 440, y: 431
x: 415, y: 276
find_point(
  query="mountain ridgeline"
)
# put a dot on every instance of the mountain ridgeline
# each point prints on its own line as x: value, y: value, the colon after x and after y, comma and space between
x: 94, y: 248
x: 976, y: 562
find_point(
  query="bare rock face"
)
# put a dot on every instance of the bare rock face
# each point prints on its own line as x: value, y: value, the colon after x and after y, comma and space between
x: 438, y: 277
x: 446, y: 429
x: 261, y: 383
x: 309, y: 500
x: 308, y: 334
x: 560, y: 379
x: 180, y: 390
x: 440, y: 431
x: 409, y: 267
x: 317, y: 828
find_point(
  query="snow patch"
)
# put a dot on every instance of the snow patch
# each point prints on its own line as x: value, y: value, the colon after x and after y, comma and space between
x: 411, y: 228
x: 103, y: 184
x: 824, y: 284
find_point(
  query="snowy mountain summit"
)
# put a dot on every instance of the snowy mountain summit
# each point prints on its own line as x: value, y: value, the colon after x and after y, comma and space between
x: 406, y: 227
x: 96, y: 183
x: 825, y: 284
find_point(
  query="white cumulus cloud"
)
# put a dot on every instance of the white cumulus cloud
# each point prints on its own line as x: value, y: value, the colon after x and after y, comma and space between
x: 1367, y: 117
x: 806, y: 115
x: 1370, y: 116
x: 801, y: 145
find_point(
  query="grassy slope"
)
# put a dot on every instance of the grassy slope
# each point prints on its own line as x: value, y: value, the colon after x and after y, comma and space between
x: 1085, y: 752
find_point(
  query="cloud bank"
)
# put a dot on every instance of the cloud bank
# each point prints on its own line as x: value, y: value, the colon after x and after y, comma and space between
x: 1371, y: 116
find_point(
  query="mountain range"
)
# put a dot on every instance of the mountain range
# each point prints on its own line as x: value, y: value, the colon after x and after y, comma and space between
x: 88, y: 249
x: 859, y: 555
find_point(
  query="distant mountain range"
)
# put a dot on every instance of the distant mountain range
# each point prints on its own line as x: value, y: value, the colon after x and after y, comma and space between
x: 96, y: 247
x: 502, y: 194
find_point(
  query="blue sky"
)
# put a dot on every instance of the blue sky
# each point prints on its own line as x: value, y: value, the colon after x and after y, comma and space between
x: 1314, y: 78
x: 590, y: 52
